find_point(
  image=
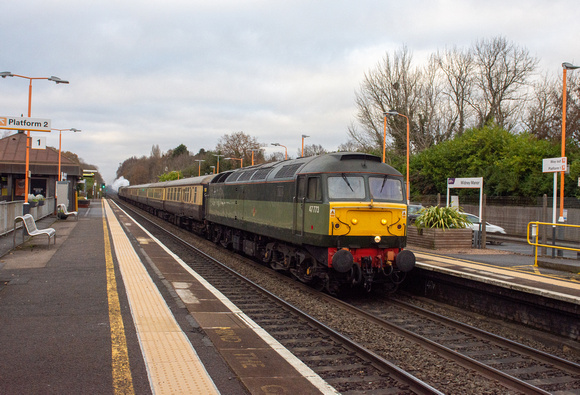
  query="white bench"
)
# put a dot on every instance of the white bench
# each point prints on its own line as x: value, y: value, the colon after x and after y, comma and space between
x: 62, y: 212
x: 32, y: 230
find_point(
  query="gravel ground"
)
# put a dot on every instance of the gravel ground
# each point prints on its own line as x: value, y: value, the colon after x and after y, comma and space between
x: 442, y: 374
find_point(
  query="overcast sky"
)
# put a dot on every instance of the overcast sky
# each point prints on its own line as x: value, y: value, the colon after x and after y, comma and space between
x: 187, y: 72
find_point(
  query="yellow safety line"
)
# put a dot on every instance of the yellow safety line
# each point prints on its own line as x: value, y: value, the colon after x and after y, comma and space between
x: 448, y: 259
x: 172, y: 364
x: 543, y: 278
x: 122, y: 380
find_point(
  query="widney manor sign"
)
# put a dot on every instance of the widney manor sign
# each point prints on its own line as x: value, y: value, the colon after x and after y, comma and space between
x: 20, y: 123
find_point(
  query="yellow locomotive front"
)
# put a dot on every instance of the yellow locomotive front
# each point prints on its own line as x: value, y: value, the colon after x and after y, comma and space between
x: 368, y: 221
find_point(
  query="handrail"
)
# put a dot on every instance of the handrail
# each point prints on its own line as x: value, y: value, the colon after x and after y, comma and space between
x: 535, y: 234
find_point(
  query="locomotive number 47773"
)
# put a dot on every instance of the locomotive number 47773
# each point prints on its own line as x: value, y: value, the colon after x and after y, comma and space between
x: 314, y: 209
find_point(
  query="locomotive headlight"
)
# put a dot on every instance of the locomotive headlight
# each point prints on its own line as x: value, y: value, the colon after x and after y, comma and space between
x: 354, y: 221
x: 377, y: 239
x: 383, y: 221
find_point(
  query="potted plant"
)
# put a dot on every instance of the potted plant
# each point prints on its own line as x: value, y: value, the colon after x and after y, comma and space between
x: 40, y: 199
x: 440, y: 227
x: 32, y: 200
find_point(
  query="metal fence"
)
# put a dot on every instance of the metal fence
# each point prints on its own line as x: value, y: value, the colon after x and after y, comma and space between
x: 11, y: 210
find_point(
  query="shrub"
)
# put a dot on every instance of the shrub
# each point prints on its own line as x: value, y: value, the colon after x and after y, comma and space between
x: 442, y: 218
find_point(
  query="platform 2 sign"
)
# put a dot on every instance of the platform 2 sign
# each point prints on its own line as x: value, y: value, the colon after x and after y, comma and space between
x: 20, y: 123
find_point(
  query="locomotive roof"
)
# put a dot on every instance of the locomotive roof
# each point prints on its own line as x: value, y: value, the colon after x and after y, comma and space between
x: 338, y: 162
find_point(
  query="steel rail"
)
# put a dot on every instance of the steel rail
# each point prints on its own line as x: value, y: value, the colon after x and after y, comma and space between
x: 415, y: 384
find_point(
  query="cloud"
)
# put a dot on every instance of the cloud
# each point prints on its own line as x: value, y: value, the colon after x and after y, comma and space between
x: 173, y: 72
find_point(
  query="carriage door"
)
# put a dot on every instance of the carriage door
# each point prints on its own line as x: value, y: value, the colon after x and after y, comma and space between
x: 299, y: 200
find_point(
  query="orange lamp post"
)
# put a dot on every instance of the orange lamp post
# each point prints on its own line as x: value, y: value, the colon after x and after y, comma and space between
x: 199, y: 166
x: 218, y: 162
x: 303, y: 137
x: 240, y: 159
x: 394, y: 113
x: 286, y: 149
x: 565, y: 66
x: 384, y: 136
x: 60, y: 146
x: 57, y: 80
x: 254, y: 150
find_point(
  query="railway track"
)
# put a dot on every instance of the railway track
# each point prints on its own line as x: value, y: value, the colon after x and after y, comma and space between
x: 343, y: 363
x: 514, y: 366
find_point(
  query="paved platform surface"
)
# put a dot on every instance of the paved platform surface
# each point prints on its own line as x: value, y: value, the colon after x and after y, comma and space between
x: 56, y: 331
x: 121, y: 313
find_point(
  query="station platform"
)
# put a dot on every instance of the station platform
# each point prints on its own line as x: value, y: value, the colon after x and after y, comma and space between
x: 511, y: 265
x: 108, y: 309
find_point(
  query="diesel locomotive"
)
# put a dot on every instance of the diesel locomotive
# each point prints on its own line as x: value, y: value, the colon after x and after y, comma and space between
x: 331, y: 220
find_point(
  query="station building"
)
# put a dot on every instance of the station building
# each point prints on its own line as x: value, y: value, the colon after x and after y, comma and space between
x: 43, y: 166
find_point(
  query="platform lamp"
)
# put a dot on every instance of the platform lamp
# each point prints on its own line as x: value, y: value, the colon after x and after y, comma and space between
x: 303, y: 137
x: 565, y: 66
x: 199, y: 166
x: 254, y: 150
x: 218, y: 162
x: 213, y: 169
x: 395, y: 113
x: 240, y: 159
x: 60, y: 146
x: 54, y: 79
x: 285, y: 149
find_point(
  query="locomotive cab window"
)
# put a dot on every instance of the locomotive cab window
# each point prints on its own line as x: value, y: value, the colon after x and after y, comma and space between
x: 385, y: 188
x: 346, y: 187
x: 314, y: 192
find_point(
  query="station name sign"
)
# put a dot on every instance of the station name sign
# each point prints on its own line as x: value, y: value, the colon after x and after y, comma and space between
x: 465, y: 182
x: 554, y: 165
x: 20, y: 123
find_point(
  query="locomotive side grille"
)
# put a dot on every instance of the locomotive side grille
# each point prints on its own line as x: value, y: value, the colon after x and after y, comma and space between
x: 288, y: 171
x: 261, y: 174
x: 246, y: 175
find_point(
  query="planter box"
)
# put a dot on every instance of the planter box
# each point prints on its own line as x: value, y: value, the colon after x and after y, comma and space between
x: 438, y: 238
x: 85, y: 203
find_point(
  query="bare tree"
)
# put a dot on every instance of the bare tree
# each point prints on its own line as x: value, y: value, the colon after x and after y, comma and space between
x: 503, y: 72
x: 240, y: 145
x: 457, y: 67
x: 392, y: 85
x: 312, y: 150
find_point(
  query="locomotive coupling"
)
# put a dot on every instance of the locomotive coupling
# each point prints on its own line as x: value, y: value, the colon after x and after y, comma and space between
x: 342, y: 261
x: 405, y: 261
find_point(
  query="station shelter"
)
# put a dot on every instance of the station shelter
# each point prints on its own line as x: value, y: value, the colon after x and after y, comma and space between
x: 43, y: 166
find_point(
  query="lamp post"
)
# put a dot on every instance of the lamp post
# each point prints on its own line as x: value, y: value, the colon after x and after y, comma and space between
x: 213, y: 168
x: 199, y: 166
x: 60, y: 146
x: 218, y: 162
x: 54, y: 79
x: 285, y: 149
x: 303, y: 137
x: 565, y: 66
x: 394, y: 113
x: 254, y: 150
x: 384, y: 135
x: 240, y: 159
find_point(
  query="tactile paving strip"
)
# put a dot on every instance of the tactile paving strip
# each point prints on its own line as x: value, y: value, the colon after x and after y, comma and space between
x: 172, y: 363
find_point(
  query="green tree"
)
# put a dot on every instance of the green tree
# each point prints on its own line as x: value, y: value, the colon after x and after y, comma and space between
x: 510, y: 164
x: 179, y: 150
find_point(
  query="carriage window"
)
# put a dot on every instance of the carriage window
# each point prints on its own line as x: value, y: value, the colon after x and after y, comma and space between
x: 386, y: 188
x: 346, y: 187
x: 314, y: 190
